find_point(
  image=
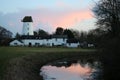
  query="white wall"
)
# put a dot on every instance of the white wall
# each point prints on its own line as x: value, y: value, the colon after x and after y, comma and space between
x: 27, y: 28
x: 47, y: 42
x: 59, y: 41
x: 32, y: 41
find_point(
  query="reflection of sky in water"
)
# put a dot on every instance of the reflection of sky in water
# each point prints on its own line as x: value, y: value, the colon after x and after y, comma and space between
x: 73, y: 72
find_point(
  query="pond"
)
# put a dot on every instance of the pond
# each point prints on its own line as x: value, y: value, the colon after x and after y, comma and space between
x: 71, y: 70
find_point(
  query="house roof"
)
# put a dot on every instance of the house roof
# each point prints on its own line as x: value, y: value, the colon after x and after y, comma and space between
x: 27, y: 19
x: 42, y: 37
x: 17, y: 40
x: 35, y: 37
x: 20, y: 41
x: 59, y: 36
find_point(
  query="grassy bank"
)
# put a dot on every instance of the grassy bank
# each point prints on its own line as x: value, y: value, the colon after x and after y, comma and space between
x: 23, y: 63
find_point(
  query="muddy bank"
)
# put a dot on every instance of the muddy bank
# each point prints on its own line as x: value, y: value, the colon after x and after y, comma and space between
x: 28, y: 67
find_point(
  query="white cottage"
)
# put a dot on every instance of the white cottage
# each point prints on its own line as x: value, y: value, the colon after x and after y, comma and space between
x: 55, y: 40
x: 16, y: 43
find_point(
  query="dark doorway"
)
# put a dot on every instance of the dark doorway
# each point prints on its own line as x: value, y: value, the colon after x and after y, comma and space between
x: 30, y: 44
x: 52, y: 44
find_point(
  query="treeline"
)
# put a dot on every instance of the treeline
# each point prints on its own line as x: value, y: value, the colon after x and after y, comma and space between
x: 5, y: 36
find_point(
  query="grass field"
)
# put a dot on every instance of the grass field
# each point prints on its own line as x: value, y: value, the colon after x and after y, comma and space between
x: 8, y: 54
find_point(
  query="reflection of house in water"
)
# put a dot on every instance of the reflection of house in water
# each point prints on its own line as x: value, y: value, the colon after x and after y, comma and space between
x: 28, y: 39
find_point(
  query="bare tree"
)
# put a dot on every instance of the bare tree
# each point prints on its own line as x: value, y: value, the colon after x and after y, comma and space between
x: 107, y: 13
x: 5, y: 36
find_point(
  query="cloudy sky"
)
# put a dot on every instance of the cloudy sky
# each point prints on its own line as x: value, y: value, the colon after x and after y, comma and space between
x: 47, y: 14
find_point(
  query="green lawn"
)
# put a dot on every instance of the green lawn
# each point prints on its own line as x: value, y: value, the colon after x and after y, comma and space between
x: 9, y: 53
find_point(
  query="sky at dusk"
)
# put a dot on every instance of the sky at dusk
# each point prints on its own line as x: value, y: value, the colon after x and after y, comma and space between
x: 48, y: 14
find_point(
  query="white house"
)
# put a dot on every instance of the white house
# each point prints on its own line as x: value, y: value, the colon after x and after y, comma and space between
x: 28, y: 39
x: 55, y: 40
x: 16, y: 43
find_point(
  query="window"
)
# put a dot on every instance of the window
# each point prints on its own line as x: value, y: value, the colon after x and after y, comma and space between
x: 56, y: 39
x: 37, y: 44
x: 52, y: 44
x: 69, y: 44
x: 63, y: 44
x: 48, y: 44
x: 63, y: 39
x: 15, y: 44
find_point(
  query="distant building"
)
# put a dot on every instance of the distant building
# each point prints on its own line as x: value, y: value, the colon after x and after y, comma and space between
x: 28, y: 39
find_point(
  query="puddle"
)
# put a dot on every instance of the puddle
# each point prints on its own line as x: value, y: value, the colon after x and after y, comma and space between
x: 71, y: 70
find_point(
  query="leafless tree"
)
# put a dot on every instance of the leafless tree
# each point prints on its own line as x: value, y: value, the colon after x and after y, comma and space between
x: 107, y: 13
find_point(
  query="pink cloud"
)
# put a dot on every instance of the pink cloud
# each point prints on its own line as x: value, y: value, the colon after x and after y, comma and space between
x: 72, y: 18
x: 64, y: 19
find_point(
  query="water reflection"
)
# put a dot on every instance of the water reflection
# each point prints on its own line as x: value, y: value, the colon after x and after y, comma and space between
x: 70, y: 70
